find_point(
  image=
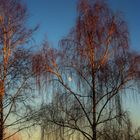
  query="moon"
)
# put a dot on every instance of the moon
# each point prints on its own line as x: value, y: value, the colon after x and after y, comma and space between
x: 69, y: 79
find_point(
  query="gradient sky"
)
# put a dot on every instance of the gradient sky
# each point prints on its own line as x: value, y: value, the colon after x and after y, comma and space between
x: 56, y: 17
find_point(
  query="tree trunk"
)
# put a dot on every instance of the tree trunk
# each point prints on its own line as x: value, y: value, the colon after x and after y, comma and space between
x: 1, y: 117
x: 94, y: 107
x: 42, y: 132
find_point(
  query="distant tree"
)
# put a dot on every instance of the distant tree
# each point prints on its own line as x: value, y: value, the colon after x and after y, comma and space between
x: 14, y: 62
x: 93, y: 69
x: 125, y: 131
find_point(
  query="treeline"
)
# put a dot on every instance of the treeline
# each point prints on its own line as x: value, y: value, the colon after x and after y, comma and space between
x: 74, y: 91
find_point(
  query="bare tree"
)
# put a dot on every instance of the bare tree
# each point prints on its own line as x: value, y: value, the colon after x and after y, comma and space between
x: 113, y: 131
x: 14, y: 67
x: 94, y: 68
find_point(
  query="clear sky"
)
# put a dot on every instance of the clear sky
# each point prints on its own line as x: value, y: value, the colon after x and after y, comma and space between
x: 56, y: 17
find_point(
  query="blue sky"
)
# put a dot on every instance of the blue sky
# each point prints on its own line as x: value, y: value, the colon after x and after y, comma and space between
x: 56, y: 17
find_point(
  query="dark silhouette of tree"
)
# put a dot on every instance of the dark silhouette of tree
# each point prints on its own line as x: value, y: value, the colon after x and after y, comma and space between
x: 113, y: 131
x: 14, y: 62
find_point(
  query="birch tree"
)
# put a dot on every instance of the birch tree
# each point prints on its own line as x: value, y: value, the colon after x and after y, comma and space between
x: 13, y: 64
x: 94, y: 68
